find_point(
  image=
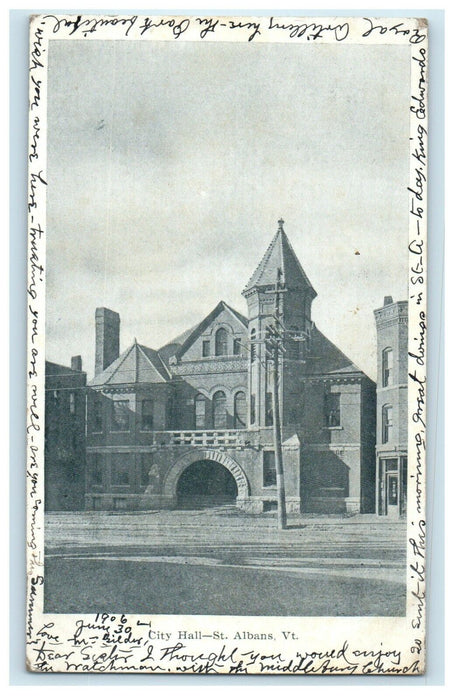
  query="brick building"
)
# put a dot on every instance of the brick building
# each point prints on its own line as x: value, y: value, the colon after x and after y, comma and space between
x: 191, y: 423
x: 392, y: 407
x: 64, y: 443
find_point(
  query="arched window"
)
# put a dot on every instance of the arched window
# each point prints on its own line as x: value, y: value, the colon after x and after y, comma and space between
x: 237, y: 346
x: 221, y: 342
x: 253, y: 349
x: 219, y: 410
x: 200, y: 412
x: 387, y: 367
x: 387, y: 423
x: 239, y: 417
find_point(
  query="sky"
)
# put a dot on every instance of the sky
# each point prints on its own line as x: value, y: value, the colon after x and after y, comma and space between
x: 170, y: 163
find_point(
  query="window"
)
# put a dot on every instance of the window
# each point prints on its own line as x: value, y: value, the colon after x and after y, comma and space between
x: 120, y: 470
x: 96, y: 470
x: 240, y: 410
x: 332, y: 410
x: 252, y: 409
x: 390, y: 465
x: 253, y: 348
x: 387, y: 423
x: 269, y: 408
x: 269, y: 506
x: 97, y: 414
x: 120, y: 416
x: 145, y: 466
x: 147, y: 414
x: 269, y: 469
x: 205, y: 348
x: 200, y: 412
x: 221, y: 342
x: 219, y: 410
x: 387, y: 367
x: 237, y: 346
x: 72, y: 403
x: 293, y: 345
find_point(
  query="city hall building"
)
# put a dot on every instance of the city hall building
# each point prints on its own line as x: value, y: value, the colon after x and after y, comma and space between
x: 191, y: 423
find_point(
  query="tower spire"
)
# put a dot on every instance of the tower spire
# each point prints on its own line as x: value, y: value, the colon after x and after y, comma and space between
x: 280, y: 256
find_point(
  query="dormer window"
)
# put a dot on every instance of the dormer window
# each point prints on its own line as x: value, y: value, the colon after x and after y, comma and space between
x: 221, y: 342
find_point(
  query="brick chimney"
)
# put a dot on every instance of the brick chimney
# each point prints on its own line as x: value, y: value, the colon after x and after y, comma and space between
x: 76, y: 363
x: 107, y: 338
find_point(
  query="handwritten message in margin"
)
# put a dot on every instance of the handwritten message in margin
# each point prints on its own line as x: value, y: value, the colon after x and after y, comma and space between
x: 110, y: 643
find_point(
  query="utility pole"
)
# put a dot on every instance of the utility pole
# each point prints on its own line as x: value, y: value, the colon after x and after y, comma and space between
x: 273, y: 351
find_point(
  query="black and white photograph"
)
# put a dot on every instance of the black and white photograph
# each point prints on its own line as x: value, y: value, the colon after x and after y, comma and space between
x: 226, y: 346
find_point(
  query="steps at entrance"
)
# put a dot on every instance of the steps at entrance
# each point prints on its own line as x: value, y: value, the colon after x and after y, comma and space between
x: 197, y: 501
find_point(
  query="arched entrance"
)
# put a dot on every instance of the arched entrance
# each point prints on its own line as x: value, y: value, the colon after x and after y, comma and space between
x: 209, y: 475
x: 206, y: 483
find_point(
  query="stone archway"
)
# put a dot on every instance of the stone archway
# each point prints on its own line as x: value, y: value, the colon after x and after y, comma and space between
x: 176, y: 470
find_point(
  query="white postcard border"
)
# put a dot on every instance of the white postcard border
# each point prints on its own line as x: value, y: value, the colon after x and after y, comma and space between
x: 51, y: 639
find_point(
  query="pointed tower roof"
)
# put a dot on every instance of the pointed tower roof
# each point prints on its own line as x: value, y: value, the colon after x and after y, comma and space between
x: 280, y: 256
x: 136, y: 364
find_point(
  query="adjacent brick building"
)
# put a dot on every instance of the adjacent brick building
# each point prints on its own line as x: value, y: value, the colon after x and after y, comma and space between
x: 392, y: 407
x: 65, y: 447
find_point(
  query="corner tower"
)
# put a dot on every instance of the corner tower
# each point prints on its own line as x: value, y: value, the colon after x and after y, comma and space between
x: 278, y: 283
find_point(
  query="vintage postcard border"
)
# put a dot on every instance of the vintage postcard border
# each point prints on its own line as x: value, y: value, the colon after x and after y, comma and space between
x: 52, y: 640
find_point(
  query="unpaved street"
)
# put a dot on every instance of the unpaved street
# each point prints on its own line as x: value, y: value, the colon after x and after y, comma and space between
x: 220, y: 561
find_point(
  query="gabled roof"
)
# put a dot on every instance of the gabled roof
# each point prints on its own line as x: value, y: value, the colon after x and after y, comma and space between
x: 280, y: 256
x: 195, y: 332
x: 172, y: 347
x: 325, y: 358
x: 136, y: 364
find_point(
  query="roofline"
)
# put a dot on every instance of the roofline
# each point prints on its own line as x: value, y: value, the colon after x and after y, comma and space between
x: 358, y: 373
x: 204, y: 323
x: 125, y: 354
x: 280, y: 232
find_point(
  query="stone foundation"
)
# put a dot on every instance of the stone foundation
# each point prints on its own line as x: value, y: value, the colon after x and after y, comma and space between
x: 144, y: 501
x: 353, y: 505
x: 261, y: 504
x: 126, y: 501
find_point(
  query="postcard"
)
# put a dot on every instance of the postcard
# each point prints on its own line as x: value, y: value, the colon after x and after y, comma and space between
x: 226, y: 409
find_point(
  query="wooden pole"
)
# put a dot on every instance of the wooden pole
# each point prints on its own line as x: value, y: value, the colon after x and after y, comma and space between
x: 280, y: 485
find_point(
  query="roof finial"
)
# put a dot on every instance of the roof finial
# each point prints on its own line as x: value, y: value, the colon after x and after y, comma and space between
x: 281, y: 224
